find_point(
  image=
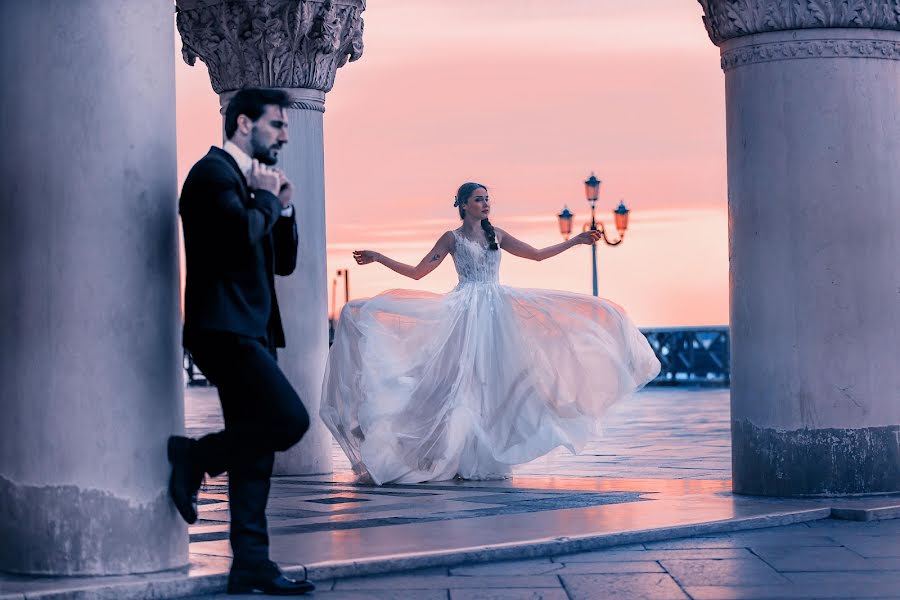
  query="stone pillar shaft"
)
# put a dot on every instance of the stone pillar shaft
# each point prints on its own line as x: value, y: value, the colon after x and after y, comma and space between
x: 304, y: 305
x: 90, y: 380
x: 296, y: 45
x: 304, y: 296
x: 814, y: 220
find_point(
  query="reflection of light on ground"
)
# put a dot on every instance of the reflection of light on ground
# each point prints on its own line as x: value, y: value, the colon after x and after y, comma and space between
x: 668, y: 486
x: 675, y: 435
x: 347, y: 536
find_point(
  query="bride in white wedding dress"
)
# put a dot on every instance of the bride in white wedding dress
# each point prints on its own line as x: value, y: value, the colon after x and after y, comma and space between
x: 426, y: 387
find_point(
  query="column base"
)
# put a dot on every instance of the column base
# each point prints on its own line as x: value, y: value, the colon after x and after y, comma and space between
x: 815, y: 462
x: 69, y: 530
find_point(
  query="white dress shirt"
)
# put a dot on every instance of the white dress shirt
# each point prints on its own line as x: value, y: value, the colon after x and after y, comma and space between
x: 245, y: 163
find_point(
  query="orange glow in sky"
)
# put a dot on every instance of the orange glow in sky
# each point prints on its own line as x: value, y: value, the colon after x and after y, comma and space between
x: 527, y: 97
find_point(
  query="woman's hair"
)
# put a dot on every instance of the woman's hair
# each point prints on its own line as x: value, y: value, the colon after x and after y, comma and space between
x: 462, y: 196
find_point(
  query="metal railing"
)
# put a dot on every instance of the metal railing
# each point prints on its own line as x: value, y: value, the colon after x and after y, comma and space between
x: 691, y: 355
x: 194, y: 377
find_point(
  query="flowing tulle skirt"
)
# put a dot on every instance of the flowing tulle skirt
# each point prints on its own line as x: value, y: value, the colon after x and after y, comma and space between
x: 423, y: 387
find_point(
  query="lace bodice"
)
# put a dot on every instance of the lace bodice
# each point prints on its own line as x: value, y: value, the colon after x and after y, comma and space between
x: 475, y: 262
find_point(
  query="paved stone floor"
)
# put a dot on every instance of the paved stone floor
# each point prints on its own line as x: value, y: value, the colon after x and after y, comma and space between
x: 652, y: 441
x: 664, y: 460
x: 661, y: 472
x: 658, y: 435
x: 820, y: 559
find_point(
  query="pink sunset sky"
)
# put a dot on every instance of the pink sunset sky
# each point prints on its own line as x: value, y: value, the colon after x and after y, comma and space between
x: 527, y: 97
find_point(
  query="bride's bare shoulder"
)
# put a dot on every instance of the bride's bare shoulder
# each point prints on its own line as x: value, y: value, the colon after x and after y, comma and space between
x: 448, y: 239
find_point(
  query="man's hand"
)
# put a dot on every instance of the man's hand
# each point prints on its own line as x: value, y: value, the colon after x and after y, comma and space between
x: 264, y: 178
x: 286, y: 190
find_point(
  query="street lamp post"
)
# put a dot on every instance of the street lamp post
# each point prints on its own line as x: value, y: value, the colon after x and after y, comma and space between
x: 332, y: 321
x: 591, y: 192
x: 333, y: 315
x: 346, y: 275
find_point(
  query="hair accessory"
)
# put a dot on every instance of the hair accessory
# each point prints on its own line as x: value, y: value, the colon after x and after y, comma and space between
x: 456, y: 201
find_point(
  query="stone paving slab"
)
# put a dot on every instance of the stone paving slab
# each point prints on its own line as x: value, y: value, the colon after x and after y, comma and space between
x: 352, y: 595
x: 816, y: 591
x: 595, y: 567
x: 858, y: 578
x: 867, y: 513
x: 631, y: 586
x: 420, y: 581
x: 827, y: 559
x: 726, y: 571
x: 871, y: 546
x: 533, y: 594
x: 697, y: 572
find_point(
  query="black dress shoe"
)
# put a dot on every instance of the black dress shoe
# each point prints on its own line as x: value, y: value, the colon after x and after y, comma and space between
x: 241, y: 582
x: 185, y: 480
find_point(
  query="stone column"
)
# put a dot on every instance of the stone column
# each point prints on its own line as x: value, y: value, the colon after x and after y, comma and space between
x: 812, y: 95
x: 90, y: 381
x: 296, y: 45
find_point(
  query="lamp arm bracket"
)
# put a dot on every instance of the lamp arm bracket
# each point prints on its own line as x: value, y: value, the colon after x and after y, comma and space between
x: 606, y: 239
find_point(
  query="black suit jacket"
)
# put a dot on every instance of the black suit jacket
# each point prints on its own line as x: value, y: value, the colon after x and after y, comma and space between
x: 235, y: 242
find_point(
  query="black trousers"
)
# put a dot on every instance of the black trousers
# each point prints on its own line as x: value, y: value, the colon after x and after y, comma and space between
x: 263, y: 414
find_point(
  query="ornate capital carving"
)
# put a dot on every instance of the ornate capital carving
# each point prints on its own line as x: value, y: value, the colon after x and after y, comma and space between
x: 746, y: 55
x: 727, y: 19
x: 271, y: 43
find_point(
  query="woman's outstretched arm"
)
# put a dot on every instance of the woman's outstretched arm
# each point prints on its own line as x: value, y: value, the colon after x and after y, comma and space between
x: 519, y: 248
x: 425, y: 266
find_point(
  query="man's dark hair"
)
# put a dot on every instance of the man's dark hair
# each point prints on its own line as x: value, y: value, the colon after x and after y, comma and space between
x: 252, y: 102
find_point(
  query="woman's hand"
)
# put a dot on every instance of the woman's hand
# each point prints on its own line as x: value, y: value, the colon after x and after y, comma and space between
x: 587, y: 237
x: 364, y: 257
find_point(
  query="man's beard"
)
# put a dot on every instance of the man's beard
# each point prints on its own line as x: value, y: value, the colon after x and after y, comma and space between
x: 263, y: 153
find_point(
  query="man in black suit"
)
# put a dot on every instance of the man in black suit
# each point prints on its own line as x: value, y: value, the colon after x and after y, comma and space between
x: 239, y: 232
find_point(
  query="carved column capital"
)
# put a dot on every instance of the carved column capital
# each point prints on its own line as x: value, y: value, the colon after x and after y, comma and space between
x: 271, y: 43
x: 728, y: 19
